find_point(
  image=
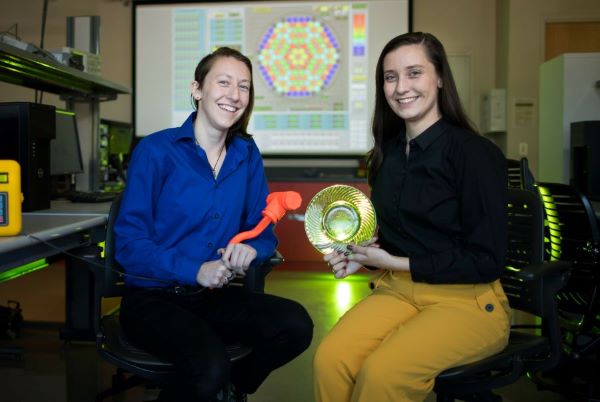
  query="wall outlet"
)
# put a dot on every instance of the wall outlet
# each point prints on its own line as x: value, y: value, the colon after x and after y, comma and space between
x: 523, y: 149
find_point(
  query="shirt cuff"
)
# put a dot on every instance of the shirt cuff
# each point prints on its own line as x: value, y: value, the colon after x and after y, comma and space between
x: 187, y: 271
x: 421, y: 268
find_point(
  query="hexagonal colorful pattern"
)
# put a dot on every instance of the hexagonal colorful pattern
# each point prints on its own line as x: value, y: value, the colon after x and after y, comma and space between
x: 298, y: 56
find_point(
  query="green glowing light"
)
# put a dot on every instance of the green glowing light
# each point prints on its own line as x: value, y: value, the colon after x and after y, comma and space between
x: 343, y: 297
x: 552, y: 222
x: 22, y: 270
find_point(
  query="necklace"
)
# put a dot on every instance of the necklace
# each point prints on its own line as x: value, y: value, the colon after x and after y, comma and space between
x: 213, y: 167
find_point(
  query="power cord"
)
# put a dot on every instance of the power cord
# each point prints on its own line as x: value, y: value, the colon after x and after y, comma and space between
x: 98, y: 265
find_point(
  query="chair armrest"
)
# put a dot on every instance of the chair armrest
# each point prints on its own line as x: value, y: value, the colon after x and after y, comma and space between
x: 276, y: 259
x: 534, y: 287
x: 254, y: 280
x: 536, y: 272
x: 534, y: 290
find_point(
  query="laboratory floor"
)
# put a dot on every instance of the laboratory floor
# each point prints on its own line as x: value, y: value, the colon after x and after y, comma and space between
x: 52, y: 370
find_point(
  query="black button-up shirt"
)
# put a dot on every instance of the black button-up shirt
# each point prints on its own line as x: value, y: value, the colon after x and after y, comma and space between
x: 443, y: 205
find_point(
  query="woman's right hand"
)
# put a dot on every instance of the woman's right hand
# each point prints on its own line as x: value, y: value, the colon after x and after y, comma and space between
x: 339, y: 264
x: 214, y: 274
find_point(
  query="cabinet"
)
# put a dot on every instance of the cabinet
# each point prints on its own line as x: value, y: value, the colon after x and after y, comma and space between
x: 297, y: 251
x: 81, y: 90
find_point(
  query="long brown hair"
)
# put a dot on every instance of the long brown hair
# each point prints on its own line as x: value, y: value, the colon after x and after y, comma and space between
x: 386, y: 123
x: 202, y: 70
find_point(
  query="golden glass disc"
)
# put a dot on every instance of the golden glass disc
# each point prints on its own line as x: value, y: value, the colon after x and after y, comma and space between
x: 338, y: 215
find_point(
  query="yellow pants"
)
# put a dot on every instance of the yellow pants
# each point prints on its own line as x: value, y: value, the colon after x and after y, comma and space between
x: 392, y: 344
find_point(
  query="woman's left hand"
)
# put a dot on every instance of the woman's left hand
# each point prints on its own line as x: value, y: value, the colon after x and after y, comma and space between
x: 238, y: 257
x: 370, y: 255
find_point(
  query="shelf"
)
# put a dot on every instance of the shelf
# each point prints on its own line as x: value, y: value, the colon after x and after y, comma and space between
x: 43, y: 73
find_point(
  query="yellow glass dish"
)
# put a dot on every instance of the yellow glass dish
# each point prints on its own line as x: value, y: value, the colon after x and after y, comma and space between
x: 338, y: 215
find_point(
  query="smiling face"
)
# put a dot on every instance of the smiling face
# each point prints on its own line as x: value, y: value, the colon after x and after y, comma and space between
x: 411, y: 85
x: 224, y: 95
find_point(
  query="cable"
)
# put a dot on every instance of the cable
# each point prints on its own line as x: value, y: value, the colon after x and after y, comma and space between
x: 43, y: 34
x: 44, y: 15
x: 96, y: 264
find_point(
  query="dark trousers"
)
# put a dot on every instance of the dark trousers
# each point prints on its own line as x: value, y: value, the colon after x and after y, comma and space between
x: 192, y: 330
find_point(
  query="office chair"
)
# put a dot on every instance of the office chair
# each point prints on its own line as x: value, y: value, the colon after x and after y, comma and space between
x: 573, y: 234
x: 110, y: 341
x: 519, y: 175
x: 531, y: 286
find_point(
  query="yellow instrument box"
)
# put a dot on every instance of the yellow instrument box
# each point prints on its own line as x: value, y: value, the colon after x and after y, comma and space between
x: 10, y: 198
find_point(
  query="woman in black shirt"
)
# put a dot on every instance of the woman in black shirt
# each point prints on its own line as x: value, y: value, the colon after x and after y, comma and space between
x: 438, y: 189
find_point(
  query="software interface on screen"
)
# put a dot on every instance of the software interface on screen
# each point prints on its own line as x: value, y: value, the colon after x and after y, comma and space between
x: 313, y: 66
x: 65, y: 152
x: 115, y: 139
x: 119, y: 138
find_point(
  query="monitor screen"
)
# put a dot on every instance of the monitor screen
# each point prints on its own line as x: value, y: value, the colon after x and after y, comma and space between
x: 313, y: 65
x: 65, y: 152
x: 115, y: 139
x: 119, y: 136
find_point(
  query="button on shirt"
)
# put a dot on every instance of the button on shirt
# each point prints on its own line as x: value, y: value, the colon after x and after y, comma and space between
x: 175, y: 215
x: 443, y: 205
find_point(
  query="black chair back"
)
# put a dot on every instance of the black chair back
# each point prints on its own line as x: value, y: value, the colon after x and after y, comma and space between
x: 571, y: 227
x: 519, y: 175
x: 531, y: 286
x: 113, y: 284
x: 107, y: 281
x: 525, y: 247
x: 573, y: 234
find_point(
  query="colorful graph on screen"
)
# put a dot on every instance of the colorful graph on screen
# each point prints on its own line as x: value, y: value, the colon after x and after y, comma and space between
x: 298, y: 56
x: 311, y: 69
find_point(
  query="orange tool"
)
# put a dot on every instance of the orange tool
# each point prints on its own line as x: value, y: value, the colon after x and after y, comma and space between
x: 278, y: 203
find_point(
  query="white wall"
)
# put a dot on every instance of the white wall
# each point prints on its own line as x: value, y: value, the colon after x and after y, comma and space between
x: 467, y: 29
x: 526, y: 47
x: 505, y: 40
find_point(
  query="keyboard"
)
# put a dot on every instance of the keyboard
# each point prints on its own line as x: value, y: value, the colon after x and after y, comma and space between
x: 91, y: 196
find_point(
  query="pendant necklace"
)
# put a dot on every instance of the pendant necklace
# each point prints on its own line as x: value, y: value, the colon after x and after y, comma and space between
x: 213, y: 167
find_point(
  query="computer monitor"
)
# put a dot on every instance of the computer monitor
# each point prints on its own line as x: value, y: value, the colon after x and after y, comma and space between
x: 115, y: 146
x: 65, y: 152
x: 118, y: 136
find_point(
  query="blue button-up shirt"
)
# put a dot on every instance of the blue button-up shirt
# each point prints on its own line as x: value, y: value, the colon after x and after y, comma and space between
x: 175, y: 215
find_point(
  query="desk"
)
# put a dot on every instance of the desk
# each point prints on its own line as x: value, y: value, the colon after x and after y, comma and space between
x: 67, y: 226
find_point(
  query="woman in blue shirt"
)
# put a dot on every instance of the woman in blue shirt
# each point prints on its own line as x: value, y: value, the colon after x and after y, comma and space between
x: 189, y: 191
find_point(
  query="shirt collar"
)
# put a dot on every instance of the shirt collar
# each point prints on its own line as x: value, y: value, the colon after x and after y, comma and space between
x: 239, y: 145
x: 432, y: 133
x: 186, y: 131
